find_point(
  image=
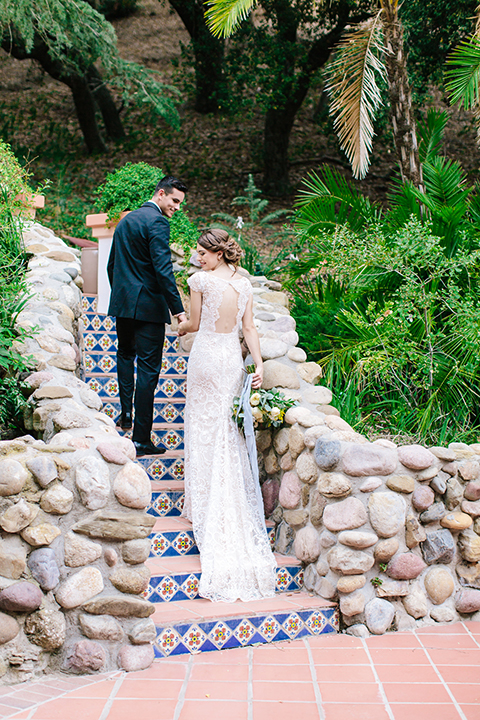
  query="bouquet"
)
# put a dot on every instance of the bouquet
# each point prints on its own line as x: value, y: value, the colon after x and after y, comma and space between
x: 268, y: 407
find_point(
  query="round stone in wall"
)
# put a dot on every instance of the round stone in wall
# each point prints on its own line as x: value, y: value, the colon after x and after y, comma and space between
x: 86, y: 656
x: 9, y: 628
x: 307, y: 544
x: 439, y: 585
x: 132, y: 486
x: 21, y: 597
x: 79, y: 588
x: 12, y: 477
x: 47, y: 628
x: 327, y: 453
x: 405, y: 566
x: 344, y: 515
x: 386, y: 512
x: 44, y: 568
x: 379, y: 615
x: 368, y: 459
x: 415, y: 457
x: 57, y: 500
x: 357, y: 539
x: 93, y: 482
x: 43, y: 469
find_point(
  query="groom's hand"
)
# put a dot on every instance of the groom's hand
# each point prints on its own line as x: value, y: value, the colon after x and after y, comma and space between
x: 181, y: 318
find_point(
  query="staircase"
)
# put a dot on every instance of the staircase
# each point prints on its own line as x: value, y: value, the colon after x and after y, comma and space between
x: 187, y: 623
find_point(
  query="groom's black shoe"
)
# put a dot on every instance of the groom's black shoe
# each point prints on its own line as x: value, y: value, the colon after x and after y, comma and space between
x: 148, y: 448
x: 124, y: 421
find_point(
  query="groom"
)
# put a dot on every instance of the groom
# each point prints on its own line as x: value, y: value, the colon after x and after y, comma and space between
x: 143, y: 291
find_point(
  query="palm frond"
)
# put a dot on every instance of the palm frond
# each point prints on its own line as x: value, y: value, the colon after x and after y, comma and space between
x: 331, y: 201
x: 463, y: 77
x: 224, y: 16
x: 353, y: 86
x: 430, y: 133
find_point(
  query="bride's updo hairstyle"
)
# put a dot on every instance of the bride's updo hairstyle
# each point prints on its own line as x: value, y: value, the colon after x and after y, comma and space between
x: 220, y: 241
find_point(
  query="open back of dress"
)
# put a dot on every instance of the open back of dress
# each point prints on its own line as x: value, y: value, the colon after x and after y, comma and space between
x: 220, y: 495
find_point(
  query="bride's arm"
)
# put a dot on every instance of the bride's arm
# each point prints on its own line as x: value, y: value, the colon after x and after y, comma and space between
x: 251, y: 338
x: 191, y: 325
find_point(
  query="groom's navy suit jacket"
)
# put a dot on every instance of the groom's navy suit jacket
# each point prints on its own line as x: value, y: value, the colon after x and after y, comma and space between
x: 140, y: 268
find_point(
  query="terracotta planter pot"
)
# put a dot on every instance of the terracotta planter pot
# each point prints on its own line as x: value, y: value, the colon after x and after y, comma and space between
x: 31, y: 203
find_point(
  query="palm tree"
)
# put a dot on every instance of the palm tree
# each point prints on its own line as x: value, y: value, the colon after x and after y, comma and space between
x: 366, y: 56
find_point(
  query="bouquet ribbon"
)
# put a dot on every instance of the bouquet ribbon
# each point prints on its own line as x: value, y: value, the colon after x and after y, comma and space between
x: 249, y: 432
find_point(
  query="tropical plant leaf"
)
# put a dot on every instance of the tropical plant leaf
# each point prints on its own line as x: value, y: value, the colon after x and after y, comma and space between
x: 353, y: 86
x: 430, y: 134
x: 463, y: 77
x: 224, y: 16
x: 331, y: 201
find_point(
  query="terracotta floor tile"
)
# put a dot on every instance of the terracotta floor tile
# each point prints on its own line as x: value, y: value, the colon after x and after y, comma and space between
x: 345, y: 674
x: 213, y: 710
x: 450, y: 656
x: 473, y: 626
x: 350, y: 693
x: 407, y: 674
x: 165, y: 670
x: 63, y: 708
x: 347, y: 656
x: 135, y: 688
x: 96, y: 690
x: 283, y: 692
x: 453, y: 629
x: 32, y: 697
x: 357, y: 712
x: 416, y: 693
x: 279, y: 672
x: 448, y: 641
x: 459, y: 674
x: 424, y: 712
x: 21, y: 716
x: 466, y: 693
x: 471, y: 712
x: 393, y: 640
x: 284, y: 711
x: 220, y: 673
x: 333, y: 641
x: 414, y: 656
x: 209, y: 689
x: 152, y: 709
x: 15, y: 702
x: 269, y: 654
x: 235, y: 656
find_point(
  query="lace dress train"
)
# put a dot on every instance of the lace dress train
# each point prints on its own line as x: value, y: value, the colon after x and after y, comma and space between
x: 220, y: 495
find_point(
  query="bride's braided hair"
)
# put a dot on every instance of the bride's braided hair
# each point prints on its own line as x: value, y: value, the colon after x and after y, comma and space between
x: 219, y: 240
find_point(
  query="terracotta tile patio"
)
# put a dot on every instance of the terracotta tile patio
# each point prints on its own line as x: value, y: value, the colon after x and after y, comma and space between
x: 431, y: 674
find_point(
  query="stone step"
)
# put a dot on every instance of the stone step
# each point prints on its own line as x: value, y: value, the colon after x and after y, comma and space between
x: 106, y: 386
x: 193, y: 626
x: 173, y: 536
x: 177, y: 578
x: 173, y: 365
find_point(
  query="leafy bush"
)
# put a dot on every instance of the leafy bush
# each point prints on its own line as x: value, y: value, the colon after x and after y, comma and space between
x: 389, y: 301
x: 13, y: 287
x: 129, y: 187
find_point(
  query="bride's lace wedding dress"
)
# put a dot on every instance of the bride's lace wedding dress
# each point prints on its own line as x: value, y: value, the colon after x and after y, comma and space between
x: 220, y: 496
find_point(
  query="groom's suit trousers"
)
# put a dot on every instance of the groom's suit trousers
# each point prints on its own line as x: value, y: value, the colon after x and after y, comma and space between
x: 143, y: 340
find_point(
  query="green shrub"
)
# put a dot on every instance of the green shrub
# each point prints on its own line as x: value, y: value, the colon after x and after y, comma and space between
x: 129, y: 187
x: 13, y: 288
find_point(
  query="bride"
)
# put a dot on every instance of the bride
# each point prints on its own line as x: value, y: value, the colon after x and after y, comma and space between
x: 220, y: 492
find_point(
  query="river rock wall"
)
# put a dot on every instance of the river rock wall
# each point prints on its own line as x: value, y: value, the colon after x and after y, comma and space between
x: 73, y: 527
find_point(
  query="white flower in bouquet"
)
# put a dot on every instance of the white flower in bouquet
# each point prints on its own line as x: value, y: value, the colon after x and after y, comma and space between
x: 255, y: 399
x: 274, y: 413
x: 257, y: 414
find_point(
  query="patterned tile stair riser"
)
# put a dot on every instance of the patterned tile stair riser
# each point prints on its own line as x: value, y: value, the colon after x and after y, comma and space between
x: 185, y: 622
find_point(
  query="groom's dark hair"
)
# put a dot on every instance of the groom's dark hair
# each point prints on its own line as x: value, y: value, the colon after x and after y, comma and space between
x: 168, y: 183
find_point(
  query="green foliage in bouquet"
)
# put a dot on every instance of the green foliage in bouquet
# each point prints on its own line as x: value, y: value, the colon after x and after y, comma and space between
x: 268, y: 407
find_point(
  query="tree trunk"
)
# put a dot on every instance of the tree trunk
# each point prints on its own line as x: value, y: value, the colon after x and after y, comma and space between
x: 106, y: 105
x: 209, y: 55
x: 401, y: 113
x: 280, y: 118
x: 82, y: 97
x: 85, y: 108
